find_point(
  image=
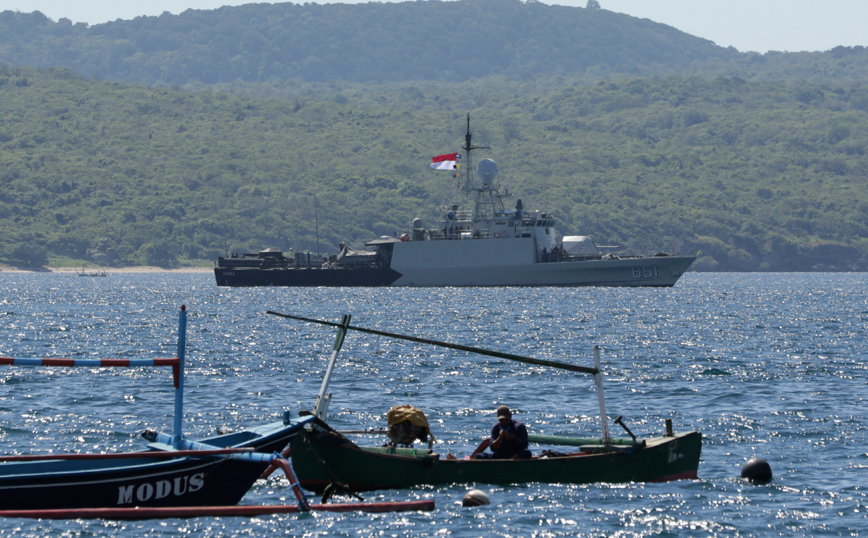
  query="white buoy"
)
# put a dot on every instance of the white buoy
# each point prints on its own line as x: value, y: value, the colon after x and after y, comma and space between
x: 475, y: 497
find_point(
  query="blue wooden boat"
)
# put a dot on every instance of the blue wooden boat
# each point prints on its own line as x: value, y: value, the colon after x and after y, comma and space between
x: 177, y: 474
x: 151, y: 479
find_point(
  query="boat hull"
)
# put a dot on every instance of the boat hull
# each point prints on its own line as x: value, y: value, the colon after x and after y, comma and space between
x: 470, y: 263
x: 186, y: 481
x: 511, y: 262
x: 321, y: 455
x: 267, y: 438
x: 305, y: 277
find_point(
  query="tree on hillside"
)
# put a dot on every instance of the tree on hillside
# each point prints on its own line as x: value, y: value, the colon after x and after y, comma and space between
x: 29, y: 255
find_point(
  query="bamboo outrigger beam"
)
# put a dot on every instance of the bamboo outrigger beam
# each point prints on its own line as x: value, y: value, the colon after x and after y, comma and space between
x: 214, y: 511
x: 498, y: 354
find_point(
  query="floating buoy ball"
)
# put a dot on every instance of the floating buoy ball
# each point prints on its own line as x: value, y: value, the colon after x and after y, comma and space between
x: 475, y: 497
x: 757, y: 469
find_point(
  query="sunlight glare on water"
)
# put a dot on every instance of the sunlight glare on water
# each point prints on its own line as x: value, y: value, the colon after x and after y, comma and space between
x: 764, y: 365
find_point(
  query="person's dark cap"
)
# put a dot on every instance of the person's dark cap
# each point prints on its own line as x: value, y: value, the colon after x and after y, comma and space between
x: 503, y: 412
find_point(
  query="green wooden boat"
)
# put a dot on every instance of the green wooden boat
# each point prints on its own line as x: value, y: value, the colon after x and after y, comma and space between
x: 322, y: 456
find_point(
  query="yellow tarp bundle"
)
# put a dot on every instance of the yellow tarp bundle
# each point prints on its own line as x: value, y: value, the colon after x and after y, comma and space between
x: 418, y: 429
x: 403, y: 413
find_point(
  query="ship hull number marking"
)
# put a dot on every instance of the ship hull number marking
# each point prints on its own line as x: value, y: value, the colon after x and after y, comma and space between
x: 646, y: 272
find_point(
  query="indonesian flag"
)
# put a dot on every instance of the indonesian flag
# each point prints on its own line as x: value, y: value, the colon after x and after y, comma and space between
x: 445, y: 162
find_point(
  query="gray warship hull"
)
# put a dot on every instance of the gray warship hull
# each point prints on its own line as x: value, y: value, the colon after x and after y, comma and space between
x: 507, y: 262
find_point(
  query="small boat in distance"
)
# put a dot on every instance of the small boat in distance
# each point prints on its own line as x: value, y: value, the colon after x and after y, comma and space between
x: 484, y: 245
x: 100, y: 272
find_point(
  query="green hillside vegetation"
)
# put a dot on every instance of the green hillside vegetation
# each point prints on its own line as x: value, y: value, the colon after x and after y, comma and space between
x: 384, y: 42
x: 304, y: 126
x: 272, y: 45
x: 754, y: 175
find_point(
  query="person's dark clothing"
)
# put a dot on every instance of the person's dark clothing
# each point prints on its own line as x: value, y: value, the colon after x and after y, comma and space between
x: 509, y: 447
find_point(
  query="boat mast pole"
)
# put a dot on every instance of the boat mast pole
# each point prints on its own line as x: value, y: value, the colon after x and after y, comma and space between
x: 598, y: 380
x: 468, y: 182
x: 323, y: 399
x: 490, y: 353
x: 468, y: 147
x: 179, y: 386
x: 316, y: 224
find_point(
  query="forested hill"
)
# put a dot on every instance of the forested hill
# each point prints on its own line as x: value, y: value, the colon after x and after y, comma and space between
x: 379, y: 42
x: 757, y: 176
x: 136, y: 152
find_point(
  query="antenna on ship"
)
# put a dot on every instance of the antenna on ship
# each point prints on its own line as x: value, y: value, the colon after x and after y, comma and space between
x: 316, y: 223
x: 468, y: 147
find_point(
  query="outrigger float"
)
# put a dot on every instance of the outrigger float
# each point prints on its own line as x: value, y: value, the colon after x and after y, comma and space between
x: 179, y: 478
x: 324, y: 456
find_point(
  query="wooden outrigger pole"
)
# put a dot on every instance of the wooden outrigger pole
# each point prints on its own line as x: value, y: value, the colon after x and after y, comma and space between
x: 177, y: 364
x: 215, y: 511
x: 481, y: 351
x: 323, y: 397
x: 344, y: 325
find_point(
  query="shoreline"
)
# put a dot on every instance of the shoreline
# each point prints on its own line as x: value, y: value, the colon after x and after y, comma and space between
x: 108, y: 270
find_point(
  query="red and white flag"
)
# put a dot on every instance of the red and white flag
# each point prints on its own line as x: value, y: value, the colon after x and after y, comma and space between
x: 445, y: 162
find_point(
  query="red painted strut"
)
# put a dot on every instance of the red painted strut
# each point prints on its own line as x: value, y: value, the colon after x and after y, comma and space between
x: 213, y: 511
x: 174, y: 362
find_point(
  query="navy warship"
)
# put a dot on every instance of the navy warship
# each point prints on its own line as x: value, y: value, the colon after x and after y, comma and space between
x: 485, y: 244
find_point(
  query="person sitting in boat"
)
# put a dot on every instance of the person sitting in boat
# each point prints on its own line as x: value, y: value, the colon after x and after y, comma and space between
x: 508, y: 439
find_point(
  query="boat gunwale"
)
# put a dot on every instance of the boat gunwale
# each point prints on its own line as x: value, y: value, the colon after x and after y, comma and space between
x: 321, y: 429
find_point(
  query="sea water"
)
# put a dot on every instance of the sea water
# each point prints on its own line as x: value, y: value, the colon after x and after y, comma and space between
x: 764, y: 365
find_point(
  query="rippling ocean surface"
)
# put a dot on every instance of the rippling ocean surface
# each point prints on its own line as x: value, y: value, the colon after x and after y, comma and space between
x: 764, y: 365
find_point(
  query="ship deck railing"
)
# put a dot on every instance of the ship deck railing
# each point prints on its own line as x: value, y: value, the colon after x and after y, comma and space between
x: 555, y: 258
x: 353, y: 265
x: 440, y: 235
x: 466, y: 216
